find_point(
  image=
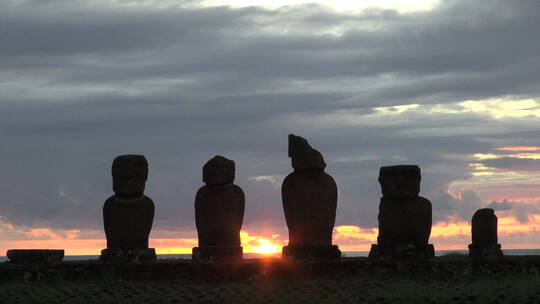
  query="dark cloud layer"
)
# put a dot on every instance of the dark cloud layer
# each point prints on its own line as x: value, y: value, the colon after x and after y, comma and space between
x: 520, y: 210
x: 81, y: 83
x: 512, y: 163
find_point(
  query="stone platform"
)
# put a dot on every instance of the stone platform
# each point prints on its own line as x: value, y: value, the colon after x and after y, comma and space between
x: 322, y: 253
x: 485, y: 251
x: 35, y: 255
x: 403, y: 252
x: 443, y: 268
x: 139, y: 255
x: 226, y: 254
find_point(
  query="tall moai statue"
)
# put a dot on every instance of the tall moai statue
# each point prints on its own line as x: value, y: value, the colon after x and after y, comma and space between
x: 309, y: 198
x: 128, y: 214
x: 484, y: 235
x: 404, y: 216
x: 219, y: 213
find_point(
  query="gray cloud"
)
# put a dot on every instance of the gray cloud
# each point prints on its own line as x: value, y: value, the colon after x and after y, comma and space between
x: 81, y: 83
x: 463, y: 207
x: 520, y: 210
x: 500, y: 206
x: 458, y: 51
x: 515, y: 164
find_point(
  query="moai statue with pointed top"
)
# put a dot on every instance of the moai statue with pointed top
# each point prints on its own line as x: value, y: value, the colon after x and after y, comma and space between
x: 404, y: 216
x: 309, y: 198
x: 484, y: 235
x: 128, y: 214
x: 219, y: 212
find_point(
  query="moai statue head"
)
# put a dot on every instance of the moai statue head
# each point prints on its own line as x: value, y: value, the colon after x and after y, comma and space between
x: 484, y: 227
x: 400, y: 181
x: 129, y: 174
x: 218, y: 171
x: 303, y: 156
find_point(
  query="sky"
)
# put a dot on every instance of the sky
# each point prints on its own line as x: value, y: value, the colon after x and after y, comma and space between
x: 449, y: 85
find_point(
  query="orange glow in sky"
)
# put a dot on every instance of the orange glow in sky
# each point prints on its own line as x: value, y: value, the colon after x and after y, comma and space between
x: 445, y: 230
x: 445, y: 236
x: 266, y: 247
x: 260, y: 244
x: 519, y: 148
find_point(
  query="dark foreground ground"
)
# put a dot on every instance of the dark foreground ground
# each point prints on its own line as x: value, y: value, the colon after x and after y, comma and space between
x: 450, y: 279
x: 348, y: 290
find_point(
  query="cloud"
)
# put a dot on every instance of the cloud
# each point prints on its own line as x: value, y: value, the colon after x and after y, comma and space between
x: 524, y: 212
x: 455, y: 208
x: 81, y: 83
x: 514, y: 164
x: 459, y: 51
x: 500, y: 206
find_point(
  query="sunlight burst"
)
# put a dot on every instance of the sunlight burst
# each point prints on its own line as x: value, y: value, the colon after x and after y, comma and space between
x: 266, y: 247
x: 260, y: 244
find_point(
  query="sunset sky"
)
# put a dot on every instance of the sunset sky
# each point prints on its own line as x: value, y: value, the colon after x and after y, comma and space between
x: 451, y: 85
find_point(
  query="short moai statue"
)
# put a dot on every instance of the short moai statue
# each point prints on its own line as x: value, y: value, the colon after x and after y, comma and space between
x: 309, y: 198
x: 128, y: 214
x: 404, y: 216
x: 219, y: 213
x: 484, y: 235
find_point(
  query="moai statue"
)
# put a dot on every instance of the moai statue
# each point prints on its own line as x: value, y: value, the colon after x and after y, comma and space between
x: 128, y: 214
x: 404, y: 216
x: 219, y: 212
x: 309, y: 201
x: 484, y: 235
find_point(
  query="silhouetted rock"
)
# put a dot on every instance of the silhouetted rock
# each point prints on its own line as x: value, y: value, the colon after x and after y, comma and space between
x: 400, y: 182
x: 404, y: 217
x: 35, y: 255
x: 129, y: 173
x: 303, y: 156
x: 309, y: 201
x: 484, y: 235
x: 484, y: 227
x: 128, y: 214
x: 219, y: 212
x: 218, y: 171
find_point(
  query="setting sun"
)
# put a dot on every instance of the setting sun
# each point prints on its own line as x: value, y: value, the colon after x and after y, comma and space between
x: 261, y: 244
x: 266, y: 247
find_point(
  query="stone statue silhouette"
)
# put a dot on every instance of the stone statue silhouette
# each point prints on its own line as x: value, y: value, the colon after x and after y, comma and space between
x: 484, y: 235
x: 128, y: 214
x: 309, y: 198
x: 219, y: 213
x: 404, y: 216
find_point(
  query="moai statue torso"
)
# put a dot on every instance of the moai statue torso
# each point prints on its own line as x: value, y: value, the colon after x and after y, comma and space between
x: 219, y: 212
x: 128, y: 214
x: 404, y: 216
x: 484, y: 234
x: 309, y: 202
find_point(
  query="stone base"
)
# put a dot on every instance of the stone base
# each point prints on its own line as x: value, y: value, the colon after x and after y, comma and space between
x: 403, y: 251
x: 35, y: 255
x: 227, y: 254
x: 485, y: 251
x: 322, y: 252
x: 128, y: 256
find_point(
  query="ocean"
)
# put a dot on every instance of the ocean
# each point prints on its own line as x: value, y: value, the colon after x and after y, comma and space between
x: 256, y: 255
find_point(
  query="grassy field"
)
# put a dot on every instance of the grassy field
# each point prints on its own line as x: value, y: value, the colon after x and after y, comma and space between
x: 356, y: 290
